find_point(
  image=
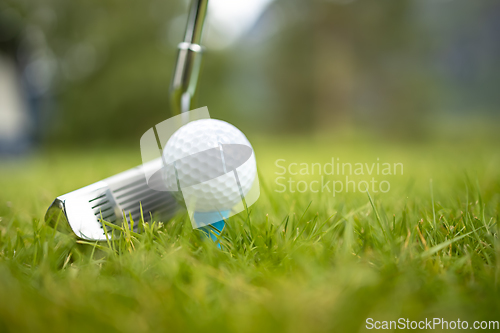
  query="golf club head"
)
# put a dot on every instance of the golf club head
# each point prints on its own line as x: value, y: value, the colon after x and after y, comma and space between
x: 123, y: 196
x: 112, y: 200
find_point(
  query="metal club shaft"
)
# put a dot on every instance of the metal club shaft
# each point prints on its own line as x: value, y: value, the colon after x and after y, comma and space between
x: 187, y: 68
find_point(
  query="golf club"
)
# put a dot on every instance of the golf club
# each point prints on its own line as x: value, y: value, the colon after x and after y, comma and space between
x: 127, y: 194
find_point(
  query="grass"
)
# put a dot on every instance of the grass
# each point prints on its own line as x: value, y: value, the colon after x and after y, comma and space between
x: 301, y: 262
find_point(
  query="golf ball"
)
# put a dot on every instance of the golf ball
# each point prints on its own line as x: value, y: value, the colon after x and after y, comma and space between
x: 197, y: 156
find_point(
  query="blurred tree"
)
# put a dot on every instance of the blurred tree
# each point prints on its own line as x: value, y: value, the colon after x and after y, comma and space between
x: 353, y: 62
x: 113, y: 61
x: 314, y: 65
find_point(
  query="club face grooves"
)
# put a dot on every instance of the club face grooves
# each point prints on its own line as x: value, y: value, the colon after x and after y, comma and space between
x: 115, y: 200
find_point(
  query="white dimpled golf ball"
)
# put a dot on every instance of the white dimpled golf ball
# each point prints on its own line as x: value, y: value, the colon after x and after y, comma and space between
x: 195, y: 166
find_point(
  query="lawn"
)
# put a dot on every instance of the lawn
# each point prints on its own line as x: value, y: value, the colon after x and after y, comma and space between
x: 298, y: 262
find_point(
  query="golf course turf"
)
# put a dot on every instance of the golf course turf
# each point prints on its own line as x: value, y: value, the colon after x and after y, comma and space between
x: 295, y: 262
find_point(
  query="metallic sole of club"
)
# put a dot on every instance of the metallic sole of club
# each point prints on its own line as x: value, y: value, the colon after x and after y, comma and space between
x: 111, y: 200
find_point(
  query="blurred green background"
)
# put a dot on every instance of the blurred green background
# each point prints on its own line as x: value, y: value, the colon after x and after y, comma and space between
x: 99, y: 71
x: 407, y: 81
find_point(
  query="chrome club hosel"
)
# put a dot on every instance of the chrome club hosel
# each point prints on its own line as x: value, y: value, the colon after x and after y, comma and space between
x: 185, y: 78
